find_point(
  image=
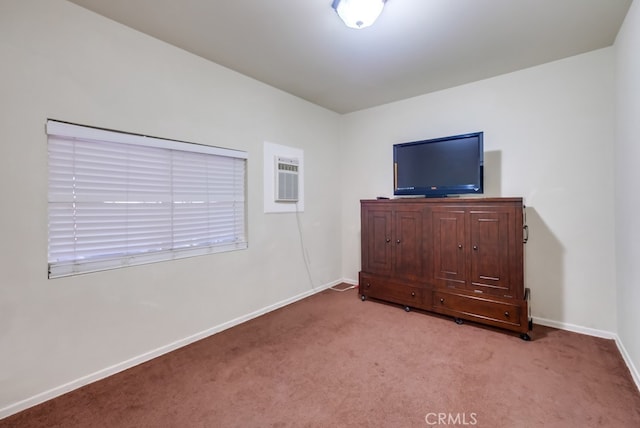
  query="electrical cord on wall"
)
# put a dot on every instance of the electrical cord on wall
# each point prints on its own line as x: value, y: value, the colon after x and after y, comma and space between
x: 304, y: 248
x: 305, y: 256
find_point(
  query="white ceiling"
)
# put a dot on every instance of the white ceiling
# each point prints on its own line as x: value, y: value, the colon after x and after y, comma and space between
x: 415, y: 47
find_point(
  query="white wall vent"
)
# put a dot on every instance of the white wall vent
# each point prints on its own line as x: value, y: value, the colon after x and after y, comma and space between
x: 286, y: 179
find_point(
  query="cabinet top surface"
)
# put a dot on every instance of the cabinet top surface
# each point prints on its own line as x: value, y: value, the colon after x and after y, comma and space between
x: 452, y: 200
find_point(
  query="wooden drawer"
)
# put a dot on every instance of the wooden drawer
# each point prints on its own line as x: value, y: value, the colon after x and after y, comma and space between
x: 391, y: 291
x: 481, y: 309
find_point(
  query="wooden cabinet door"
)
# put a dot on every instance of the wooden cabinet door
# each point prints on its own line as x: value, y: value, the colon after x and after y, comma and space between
x: 493, y: 243
x: 449, y: 247
x: 376, y: 239
x: 407, y: 242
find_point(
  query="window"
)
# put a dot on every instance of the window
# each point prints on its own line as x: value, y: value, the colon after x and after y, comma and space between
x: 118, y: 199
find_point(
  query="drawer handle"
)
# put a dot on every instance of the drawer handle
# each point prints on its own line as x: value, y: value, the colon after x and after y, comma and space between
x: 506, y: 314
x: 441, y: 300
x: 413, y: 294
x: 368, y: 285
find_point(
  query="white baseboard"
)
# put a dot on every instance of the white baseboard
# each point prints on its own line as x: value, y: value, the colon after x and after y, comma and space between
x: 116, y: 368
x: 627, y: 359
x: 574, y: 328
x: 597, y: 333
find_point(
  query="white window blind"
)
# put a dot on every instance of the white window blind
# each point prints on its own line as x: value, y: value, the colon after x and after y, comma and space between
x: 118, y: 199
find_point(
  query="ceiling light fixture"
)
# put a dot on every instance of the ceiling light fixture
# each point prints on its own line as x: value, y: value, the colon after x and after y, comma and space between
x: 358, y: 13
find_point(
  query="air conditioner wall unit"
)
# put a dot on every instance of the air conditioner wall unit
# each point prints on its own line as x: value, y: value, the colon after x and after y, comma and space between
x: 286, y: 186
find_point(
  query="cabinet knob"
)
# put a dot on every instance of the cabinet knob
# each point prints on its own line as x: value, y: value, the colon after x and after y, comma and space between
x: 397, y: 241
x: 388, y: 240
x: 413, y: 294
x: 506, y: 314
x: 475, y: 247
x: 368, y: 285
x: 460, y: 246
x: 441, y: 300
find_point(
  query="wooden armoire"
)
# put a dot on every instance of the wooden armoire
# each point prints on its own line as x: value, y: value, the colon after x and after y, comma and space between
x: 462, y: 257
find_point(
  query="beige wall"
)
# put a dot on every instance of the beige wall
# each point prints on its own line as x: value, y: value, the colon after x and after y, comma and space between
x: 61, y: 61
x: 548, y: 136
x: 627, y: 170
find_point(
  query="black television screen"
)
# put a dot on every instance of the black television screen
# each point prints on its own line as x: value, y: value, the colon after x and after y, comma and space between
x: 440, y: 166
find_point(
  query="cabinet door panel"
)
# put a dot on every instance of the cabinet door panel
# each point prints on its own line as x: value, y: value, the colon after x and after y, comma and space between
x: 377, y: 245
x: 449, y: 260
x: 491, y: 246
x: 408, y: 254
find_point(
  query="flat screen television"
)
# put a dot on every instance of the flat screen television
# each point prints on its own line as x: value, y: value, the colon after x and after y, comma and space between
x: 439, y: 167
